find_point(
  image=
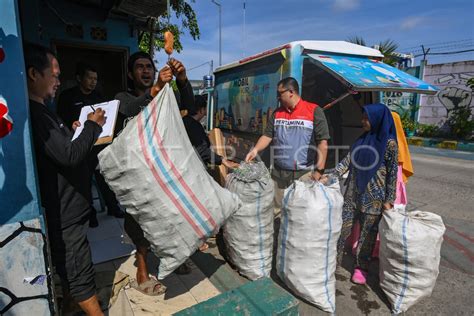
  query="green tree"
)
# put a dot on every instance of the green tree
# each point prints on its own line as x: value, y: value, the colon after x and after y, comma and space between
x: 387, y: 48
x: 470, y: 83
x: 184, y: 12
x: 356, y: 40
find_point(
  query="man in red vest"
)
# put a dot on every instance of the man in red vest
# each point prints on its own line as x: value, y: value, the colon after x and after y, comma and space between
x: 299, y: 132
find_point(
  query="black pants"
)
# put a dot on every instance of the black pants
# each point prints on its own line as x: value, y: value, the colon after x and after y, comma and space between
x: 102, y: 186
x: 72, y: 258
x: 134, y: 231
x: 108, y: 195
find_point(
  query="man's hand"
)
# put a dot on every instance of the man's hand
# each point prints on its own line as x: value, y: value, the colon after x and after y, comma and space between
x: 251, y: 155
x: 164, y: 76
x: 324, y: 179
x: 75, y: 125
x: 316, y: 176
x: 178, y: 70
x: 230, y: 164
x: 98, y: 117
x: 387, y: 206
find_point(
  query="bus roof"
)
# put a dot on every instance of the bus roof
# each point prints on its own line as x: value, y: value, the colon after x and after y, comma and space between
x: 339, y: 47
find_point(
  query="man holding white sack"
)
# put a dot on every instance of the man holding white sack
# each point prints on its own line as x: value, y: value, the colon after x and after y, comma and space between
x: 141, y: 76
x: 299, y: 132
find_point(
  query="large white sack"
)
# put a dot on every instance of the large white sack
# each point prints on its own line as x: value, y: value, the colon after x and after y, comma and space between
x: 248, y: 233
x: 410, y: 246
x: 311, y: 222
x: 157, y: 176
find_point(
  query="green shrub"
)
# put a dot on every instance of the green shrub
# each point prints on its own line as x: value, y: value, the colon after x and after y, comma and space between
x: 428, y: 130
x: 461, y: 123
x: 408, y: 124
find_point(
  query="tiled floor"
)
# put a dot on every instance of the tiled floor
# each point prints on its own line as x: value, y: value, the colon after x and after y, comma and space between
x: 106, y: 241
x: 182, y: 290
x: 110, y: 253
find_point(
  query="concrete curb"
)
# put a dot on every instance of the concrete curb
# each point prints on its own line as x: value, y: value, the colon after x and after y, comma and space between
x: 440, y: 143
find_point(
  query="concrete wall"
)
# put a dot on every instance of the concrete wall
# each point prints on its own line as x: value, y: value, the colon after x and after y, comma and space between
x: 451, y: 79
x: 25, y: 281
x: 42, y: 26
x: 24, y: 278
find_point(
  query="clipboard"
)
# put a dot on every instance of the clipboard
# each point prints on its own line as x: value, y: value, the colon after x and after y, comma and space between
x: 111, y: 112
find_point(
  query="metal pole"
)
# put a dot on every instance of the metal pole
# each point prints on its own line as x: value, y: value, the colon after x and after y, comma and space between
x: 220, y: 30
x: 416, y: 114
x: 243, y: 40
x: 220, y: 36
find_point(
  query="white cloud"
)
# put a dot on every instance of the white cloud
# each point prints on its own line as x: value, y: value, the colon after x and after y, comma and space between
x: 411, y: 22
x: 346, y: 5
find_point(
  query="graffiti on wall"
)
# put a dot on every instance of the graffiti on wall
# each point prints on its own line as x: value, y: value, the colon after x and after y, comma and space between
x: 451, y: 79
x: 453, y: 96
x: 401, y: 102
x: 398, y: 101
x: 25, y: 288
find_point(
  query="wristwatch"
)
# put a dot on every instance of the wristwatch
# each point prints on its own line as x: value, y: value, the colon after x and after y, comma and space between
x: 320, y: 171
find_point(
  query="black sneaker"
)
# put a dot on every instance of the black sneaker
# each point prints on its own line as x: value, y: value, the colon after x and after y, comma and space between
x: 93, y: 222
x: 117, y: 212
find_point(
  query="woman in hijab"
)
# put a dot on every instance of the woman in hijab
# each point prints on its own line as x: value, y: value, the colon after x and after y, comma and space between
x: 372, y: 164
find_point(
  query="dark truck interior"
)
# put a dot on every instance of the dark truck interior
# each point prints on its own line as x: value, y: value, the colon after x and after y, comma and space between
x: 344, y: 117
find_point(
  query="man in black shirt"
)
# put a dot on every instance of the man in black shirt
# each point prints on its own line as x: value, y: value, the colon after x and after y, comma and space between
x: 141, y: 76
x: 198, y: 137
x: 63, y: 178
x: 70, y: 103
x: 72, y: 100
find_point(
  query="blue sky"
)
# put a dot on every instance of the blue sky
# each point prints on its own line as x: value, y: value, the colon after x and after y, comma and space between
x: 440, y: 24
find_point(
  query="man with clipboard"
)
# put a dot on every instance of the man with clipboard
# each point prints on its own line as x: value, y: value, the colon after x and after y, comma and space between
x: 63, y: 178
x: 70, y: 104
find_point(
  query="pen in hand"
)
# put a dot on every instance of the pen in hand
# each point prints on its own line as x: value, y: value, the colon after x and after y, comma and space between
x: 93, y: 111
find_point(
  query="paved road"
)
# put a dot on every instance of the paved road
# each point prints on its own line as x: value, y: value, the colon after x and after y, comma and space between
x: 441, y: 185
x: 444, y: 186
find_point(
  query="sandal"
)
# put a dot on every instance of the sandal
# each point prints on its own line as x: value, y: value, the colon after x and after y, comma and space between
x: 359, y: 276
x: 204, y: 247
x: 183, y: 269
x: 151, y: 287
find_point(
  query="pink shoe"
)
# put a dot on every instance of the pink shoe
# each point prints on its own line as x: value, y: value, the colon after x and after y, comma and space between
x: 359, y: 276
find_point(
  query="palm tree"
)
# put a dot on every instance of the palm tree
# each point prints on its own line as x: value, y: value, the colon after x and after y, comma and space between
x: 387, y: 48
x: 356, y: 40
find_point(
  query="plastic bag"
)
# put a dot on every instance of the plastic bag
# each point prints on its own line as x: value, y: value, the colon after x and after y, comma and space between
x: 307, y: 244
x: 410, y: 246
x: 157, y: 176
x: 248, y: 233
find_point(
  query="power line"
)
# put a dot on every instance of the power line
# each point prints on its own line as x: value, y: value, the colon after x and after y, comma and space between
x: 438, y: 44
x: 452, y: 56
x: 458, y: 52
x: 469, y: 45
x: 447, y: 46
x: 210, y: 63
x: 447, y: 53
